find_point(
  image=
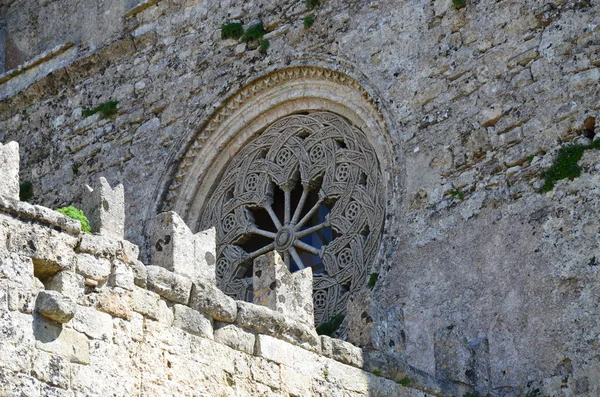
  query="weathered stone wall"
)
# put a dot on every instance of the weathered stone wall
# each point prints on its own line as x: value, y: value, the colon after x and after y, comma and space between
x: 477, y: 103
x: 80, y: 315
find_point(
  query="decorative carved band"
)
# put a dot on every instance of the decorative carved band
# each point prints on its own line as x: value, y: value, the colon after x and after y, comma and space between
x: 245, y: 95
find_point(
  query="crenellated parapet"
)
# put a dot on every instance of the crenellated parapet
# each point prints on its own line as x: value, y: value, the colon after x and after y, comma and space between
x: 84, y: 300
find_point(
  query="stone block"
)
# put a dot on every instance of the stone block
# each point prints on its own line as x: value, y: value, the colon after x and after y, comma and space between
x: 51, y: 251
x: 21, y: 299
x: 17, y: 268
x: 169, y: 285
x: 278, y: 289
x: 235, y: 337
x: 121, y: 275
x: 69, y: 284
x: 52, y: 305
x: 64, y: 342
x: 172, y: 245
x: 39, y: 214
x: 52, y: 369
x: 116, y: 302
x: 205, y: 248
x: 342, y: 351
x: 129, y: 252
x: 211, y: 301
x: 140, y: 274
x: 372, y: 328
x: 192, y: 321
x: 146, y: 303
x: 105, y: 208
x: 9, y: 169
x: 93, y: 323
x: 94, y: 268
x: 101, y: 246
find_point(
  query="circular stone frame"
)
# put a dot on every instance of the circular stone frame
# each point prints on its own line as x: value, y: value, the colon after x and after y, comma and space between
x: 258, y: 105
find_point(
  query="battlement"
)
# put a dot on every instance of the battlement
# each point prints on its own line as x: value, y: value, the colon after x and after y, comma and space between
x: 73, y: 302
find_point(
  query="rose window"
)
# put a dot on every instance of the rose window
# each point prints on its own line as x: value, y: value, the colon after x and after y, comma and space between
x: 310, y: 188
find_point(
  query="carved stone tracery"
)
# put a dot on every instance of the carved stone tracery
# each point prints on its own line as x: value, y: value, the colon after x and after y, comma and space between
x: 310, y: 187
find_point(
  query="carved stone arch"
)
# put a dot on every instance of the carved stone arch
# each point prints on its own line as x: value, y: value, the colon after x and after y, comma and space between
x: 292, y: 95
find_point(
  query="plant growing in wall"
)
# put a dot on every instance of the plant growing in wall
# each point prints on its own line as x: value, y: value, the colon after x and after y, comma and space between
x: 458, y: 4
x: 233, y: 30
x: 106, y: 109
x: 78, y: 215
x: 566, y: 165
x: 309, y: 21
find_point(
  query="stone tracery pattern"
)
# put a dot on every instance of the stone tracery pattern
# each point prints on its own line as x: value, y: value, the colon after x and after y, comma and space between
x: 309, y: 187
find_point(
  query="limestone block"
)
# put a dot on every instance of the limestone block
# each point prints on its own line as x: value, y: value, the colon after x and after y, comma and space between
x: 64, y: 342
x: 18, y: 269
x: 146, y: 303
x: 9, y: 169
x: 235, y: 337
x: 101, y: 246
x: 372, y: 328
x: 294, y: 383
x: 93, y: 268
x: 51, y: 369
x: 93, y: 323
x: 121, y: 275
x: 263, y: 320
x: 116, y: 302
x: 129, y: 251
x: 21, y: 299
x: 205, y: 248
x: 39, y: 214
x: 52, y: 305
x: 140, y: 274
x: 172, y: 245
x: 276, y: 350
x: 342, y: 351
x: 169, y: 285
x: 192, y: 321
x: 69, y: 284
x: 211, y: 301
x: 50, y: 250
x: 105, y: 208
x: 278, y: 289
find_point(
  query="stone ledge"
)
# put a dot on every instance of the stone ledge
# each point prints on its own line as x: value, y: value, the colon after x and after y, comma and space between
x: 39, y: 214
x: 43, y: 57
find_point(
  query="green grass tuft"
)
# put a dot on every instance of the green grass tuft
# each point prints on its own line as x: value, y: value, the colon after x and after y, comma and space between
x: 458, y: 4
x: 309, y: 21
x: 404, y: 382
x: 26, y: 191
x: 457, y: 193
x: 106, y: 109
x: 233, y: 30
x: 263, y: 46
x: 376, y: 373
x: 372, y: 280
x: 254, y: 32
x: 77, y: 214
x: 331, y: 326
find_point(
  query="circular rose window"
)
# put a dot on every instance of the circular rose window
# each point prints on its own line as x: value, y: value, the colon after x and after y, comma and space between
x: 309, y: 187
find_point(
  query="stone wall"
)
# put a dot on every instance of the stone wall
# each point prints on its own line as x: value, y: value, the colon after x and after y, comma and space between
x: 82, y: 316
x: 477, y: 102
